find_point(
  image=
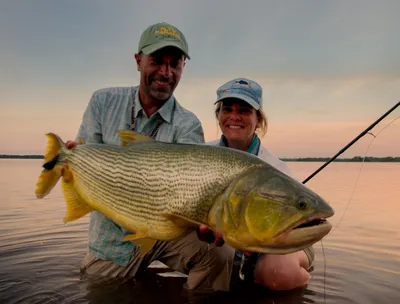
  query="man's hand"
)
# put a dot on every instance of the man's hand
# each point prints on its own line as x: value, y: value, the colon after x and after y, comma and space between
x: 71, y: 144
x: 205, y: 234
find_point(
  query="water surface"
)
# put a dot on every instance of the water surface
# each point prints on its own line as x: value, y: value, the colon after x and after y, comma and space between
x: 39, y: 255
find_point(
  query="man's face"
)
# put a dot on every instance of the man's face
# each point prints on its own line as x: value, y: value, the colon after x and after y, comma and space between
x: 160, y: 72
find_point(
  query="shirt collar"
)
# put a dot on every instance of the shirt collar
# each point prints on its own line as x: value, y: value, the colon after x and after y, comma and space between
x: 165, y: 111
x: 253, y: 147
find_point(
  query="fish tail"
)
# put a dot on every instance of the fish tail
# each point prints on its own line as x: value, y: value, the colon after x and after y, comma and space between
x: 55, y: 146
x: 53, y: 167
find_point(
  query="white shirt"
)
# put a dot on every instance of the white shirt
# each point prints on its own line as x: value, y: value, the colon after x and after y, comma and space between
x: 266, y: 156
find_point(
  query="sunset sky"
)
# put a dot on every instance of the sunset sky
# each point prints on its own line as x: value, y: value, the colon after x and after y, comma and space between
x: 328, y: 68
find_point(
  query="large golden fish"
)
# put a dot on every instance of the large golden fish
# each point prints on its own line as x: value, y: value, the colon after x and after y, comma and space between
x: 161, y: 191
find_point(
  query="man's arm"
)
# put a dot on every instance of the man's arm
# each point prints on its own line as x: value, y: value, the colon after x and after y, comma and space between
x: 90, y: 129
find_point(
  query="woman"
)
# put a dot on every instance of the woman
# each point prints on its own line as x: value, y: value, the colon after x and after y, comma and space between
x: 241, y: 120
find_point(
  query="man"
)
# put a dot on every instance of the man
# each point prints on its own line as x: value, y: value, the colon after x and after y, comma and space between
x: 151, y: 109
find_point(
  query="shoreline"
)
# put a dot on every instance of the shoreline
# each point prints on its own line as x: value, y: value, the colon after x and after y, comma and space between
x: 388, y: 159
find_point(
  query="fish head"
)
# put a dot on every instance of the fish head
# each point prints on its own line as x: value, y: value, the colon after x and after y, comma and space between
x: 266, y: 211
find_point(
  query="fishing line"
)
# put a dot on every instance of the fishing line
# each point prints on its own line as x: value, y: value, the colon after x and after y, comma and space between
x: 351, y: 196
x: 360, y: 170
x: 366, y: 131
x: 352, y: 142
x: 323, y: 254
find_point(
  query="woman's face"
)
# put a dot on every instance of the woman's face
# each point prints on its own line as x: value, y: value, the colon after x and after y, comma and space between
x: 237, y: 120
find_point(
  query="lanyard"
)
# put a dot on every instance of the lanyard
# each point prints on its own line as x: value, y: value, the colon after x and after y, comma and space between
x: 153, y: 133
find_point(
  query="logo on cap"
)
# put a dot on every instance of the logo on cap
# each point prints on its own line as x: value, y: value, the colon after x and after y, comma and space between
x: 241, y: 82
x: 167, y: 31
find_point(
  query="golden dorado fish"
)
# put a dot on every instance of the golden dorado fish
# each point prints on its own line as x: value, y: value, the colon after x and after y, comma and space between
x: 162, y: 191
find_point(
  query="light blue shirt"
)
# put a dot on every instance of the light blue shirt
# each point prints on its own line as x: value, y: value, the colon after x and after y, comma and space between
x: 110, y: 110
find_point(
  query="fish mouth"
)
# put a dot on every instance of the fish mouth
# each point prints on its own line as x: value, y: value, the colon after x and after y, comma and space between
x: 310, y: 223
x: 305, y: 232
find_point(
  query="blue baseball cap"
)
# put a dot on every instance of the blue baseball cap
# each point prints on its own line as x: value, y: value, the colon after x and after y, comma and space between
x: 241, y: 88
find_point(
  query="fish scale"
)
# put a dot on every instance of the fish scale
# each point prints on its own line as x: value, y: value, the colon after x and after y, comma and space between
x: 153, y: 181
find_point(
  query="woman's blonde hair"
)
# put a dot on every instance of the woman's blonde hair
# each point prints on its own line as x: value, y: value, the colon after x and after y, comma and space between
x: 262, y: 126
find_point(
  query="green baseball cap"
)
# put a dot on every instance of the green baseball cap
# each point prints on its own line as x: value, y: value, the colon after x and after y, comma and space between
x: 161, y: 35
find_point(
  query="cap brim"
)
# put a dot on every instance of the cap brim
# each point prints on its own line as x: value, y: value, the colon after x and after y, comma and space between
x: 163, y: 44
x: 245, y: 98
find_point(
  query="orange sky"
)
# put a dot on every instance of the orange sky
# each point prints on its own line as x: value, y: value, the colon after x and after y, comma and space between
x: 318, y: 128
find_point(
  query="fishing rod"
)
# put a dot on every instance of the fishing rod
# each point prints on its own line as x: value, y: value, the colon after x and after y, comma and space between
x: 352, y: 142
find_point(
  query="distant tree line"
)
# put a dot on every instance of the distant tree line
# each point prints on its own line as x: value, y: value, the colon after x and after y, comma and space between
x: 354, y: 159
x: 22, y: 156
x: 303, y: 159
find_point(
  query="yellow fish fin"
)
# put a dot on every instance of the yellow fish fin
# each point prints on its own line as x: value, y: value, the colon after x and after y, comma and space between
x: 81, y: 142
x: 76, y: 206
x: 129, y: 137
x: 53, y: 148
x: 53, y: 169
x: 143, y: 241
x: 145, y: 245
x: 47, y: 180
x: 181, y: 221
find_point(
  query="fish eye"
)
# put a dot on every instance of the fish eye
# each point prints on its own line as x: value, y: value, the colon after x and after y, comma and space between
x: 302, y: 204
